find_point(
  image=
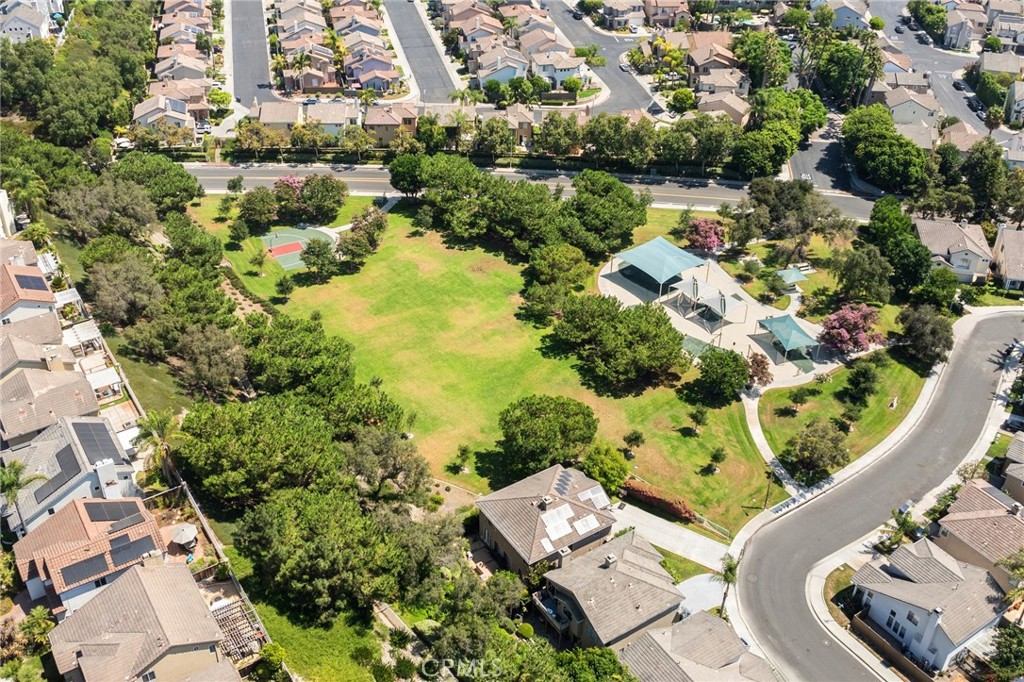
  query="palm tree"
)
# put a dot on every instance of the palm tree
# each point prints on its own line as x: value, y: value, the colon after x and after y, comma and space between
x: 1014, y: 564
x: 466, y: 96
x: 993, y: 119
x: 13, y: 480
x: 301, y: 60
x: 727, y: 577
x: 36, y: 628
x: 27, y: 190
x: 368, y: 97
x: 157, y: 429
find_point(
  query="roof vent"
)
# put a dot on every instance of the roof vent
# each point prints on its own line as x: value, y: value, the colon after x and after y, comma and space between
x: 609, y: 559
x: 546, y: 501
x: 1015, y: 508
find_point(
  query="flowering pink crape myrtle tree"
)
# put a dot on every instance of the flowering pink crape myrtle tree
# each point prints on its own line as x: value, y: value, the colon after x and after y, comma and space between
x: 705, y: 235
x: 850, y: 329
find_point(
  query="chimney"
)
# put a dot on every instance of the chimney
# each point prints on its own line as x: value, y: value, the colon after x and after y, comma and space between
x: 609, y: 560
x: 1015, y: 509
x: 110, y: 488
x: 928, y: 636
x: 53, y: 362
x: 546, y: 501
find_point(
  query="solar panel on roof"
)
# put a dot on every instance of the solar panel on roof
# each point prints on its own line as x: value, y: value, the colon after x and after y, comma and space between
x: 84, y: 570
x: 109, y: 511
x: 562, y: 483
x: 586, y: 524
x: 132, y: 551
x: 176, y: 105
x: 596, y: 496
x: 119, y: 541
x: 96, y: 441
x: 69, y: 468
x: 31, y: 282
x: 127, y: 522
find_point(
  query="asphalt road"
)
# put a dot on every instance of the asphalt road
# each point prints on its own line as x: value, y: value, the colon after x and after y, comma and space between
x: 779, y: 557
x: 375, y: 179
x: 625, y: 91
x: 250, y: 54
x: 434, y: 80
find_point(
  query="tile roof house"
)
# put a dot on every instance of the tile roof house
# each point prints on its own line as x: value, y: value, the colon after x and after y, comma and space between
x: 849, y: 13
x: 622, y: 13
x: 608, y: 597
x: 24, y: 292
x: 1001, y: 62
x: 79, y: 457
x: 959, y: 30
x: 17, y: 353
x: 961, y: 135
x: 334, y: 116
x: 279, y: 115
x: 160, y: 109
x: 520, y: 121
x: 666, y: 12
x: 500, y: 63
x: 556, y: 66
x: 907, y: 106
x: 932, y: 603
x: 958, y: 246
x: 180, y: 66
x: 916, y: 82
x: 150, y: 624
x: 35, y: 398
x: 19, y: 23
x: 41, y: 329
x: 18, y: 252
x: 548, y: 516
x: 75, y: 553
x: 1009, y: 257
x: 726, y: 103
x: 981, y: 527
x: 999, y: 8
x: 723, y: 80
x: 384, y: 122
x: 700, y: 648
x: 164, y: 52
x: 702, y: 60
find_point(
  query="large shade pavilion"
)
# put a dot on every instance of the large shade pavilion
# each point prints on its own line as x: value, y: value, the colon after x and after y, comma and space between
x: 787, y: 333
x: 661, y: 260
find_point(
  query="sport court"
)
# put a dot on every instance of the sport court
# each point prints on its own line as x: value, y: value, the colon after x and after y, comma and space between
x: 286, y: 245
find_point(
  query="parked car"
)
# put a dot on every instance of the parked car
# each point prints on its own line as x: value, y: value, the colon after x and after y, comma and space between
x: 624, y: 67
x: 577, y: 15
x: 216, y: 84
x: 633, y: 29
x: 958, y: 85
x: 899, y: 29
x: 981, y: 113
x: 311, y: 100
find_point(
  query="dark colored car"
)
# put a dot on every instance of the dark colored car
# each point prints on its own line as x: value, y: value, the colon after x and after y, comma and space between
x: 899, y: 29
x: 958, y: 85
x: 577, y: 15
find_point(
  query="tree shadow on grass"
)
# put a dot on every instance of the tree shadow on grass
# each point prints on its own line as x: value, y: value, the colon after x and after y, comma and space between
x: 498, y: 468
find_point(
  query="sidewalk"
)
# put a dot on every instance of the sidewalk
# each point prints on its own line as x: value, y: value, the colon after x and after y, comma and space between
x: 671, y: 536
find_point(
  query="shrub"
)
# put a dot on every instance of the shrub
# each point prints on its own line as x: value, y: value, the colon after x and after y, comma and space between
x: 428, y: 630
x: 363, y: 655
x: 525, y: 631
x: 404, y: 668
x: 400, y: 638
x: 649, y: 495
x: 382, y: 672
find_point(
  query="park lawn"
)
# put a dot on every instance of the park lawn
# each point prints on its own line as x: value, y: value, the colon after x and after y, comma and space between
x: 877, y: 420
x: 315, y: 654
x: 154, y: 385
x: 679, y: 567
x: 438, y: 327
x: 661, y: 220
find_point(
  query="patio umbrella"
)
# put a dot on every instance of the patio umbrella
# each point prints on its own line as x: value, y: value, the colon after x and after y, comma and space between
x: 186, y: 534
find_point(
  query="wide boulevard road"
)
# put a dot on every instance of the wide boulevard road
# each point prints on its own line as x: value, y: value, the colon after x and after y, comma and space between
x: 779, y: 557
x: 214, y: 178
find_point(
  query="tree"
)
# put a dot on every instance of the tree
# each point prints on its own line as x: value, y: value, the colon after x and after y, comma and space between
x: 259, y: 257
x: 590, y: 53
x: 406, y: 174
x: 608, y: 212
x: 321, y: 197
x: 985, y: 173
x: 939, y: 289
x: 850, y: 329
x: 320, y: 258
x: 572, y: 84
x: 388, y: 466
x: 112, y: 205
x: 258, y: 208
x: 559, y: 135
x: 36, y: 628
x: 212, y: 359
x: 766, y: 57
x: 863, y: 274
x: 169, y: 185
x: 431, y: 134
x: 704, y: 234
x: 820, y: 446
x: 495, y: 138
x: 876, y: 23
x: 13, y: 480
x: 682, y: 100
x: 727, y: 578
x: 910, y: 260
x: 26, y: 189
x: 759, y: 371
x: 285, y: 286
x: 236, y: 184
x: 1008, y: 660
x: 795, y: 18
x: 714, y: 137
x: 559, y: 264
x: 238, y: 231
x: 862, y: 382
x: 158, y: 429
x: 606, y: 465
x: 927, y: 335
x: 126, y: 290
x: 723, y: 374
x: 540, y: 430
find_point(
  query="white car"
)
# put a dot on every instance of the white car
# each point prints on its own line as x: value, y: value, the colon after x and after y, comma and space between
x: 217, y: 84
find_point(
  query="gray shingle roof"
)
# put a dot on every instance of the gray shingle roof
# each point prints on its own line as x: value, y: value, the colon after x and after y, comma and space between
x: 36, y: 329
x: 36, y: 398
x: 925, y: 576
x: 943, y: 237
x: 702, y: 648
x: 982, y: 518
x: 618, y: 597
x: 517, y: 511
x: 1011, y: 257
x: 135, y: 620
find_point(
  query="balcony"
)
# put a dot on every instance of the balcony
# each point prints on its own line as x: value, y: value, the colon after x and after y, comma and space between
x: 546, y: 605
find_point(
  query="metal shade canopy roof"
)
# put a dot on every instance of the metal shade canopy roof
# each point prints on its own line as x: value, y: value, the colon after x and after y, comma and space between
x: 791, y: 275
x: 660, y: 259
x: 788, y: 332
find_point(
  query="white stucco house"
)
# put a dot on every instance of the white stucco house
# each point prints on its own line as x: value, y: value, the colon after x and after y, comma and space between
x: 960, y: 247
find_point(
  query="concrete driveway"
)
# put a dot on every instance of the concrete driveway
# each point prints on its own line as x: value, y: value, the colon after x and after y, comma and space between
x: 671, y: 536
x: 702, y: 593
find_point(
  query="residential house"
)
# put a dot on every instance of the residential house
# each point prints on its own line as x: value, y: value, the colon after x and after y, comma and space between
x: 180, y: 32
x: 383, y: 122
x: 41, y: 329
x: 724, y: 80
x: 618, y: 14
x: 699, y: 647
x: 922, y: 134
x: 961, y: 135
x: 21, y: 22
x: 310, y: 79
x: 999, y: 8
x: 1013, y: 467
x: 982, y: 527
x: 1001, y: 62
x: 960, y: 247
x: 634, y: 116
x: 301, y: 20
x: 1014, y: 112
x: 908, y: 106
x: 18, y: 353
x: 341, y: 15
x: 849, y: 14
x: 162, y: 110
x: 914, y: 81
x: 165, y: 52
x: 1010, y: 31
x: 35, y: 398
x: 727, y: 104
x: 959, y: 31
x: 18, y: 252
x: 476, y: 28
x: 932, y: 604
x: 180, y: 67
x: 73, y: 555
x: 203, y: 21
x: 1009, y: 257
x: 703, y: 60
x: 550, y: 516
x: 279, y: 115
x: 360, y: 24
x: 193, y: 92
x: 555, y: 67
x: 24, y: 292
x: 80, y: 458
x: 354, y: 42
x: 466, y: 11
x: 380, y: 80
x: 520, y: 121
x: 369, y: 59
x: 541, y: 40
x: 608, y: 597
x: 288, y: 8
x: 152, y: 623
x: 666, y: 13
x: 895, y: 60
x: 295, y: 41
x: 1014, y: 156
x: 334, y: 117
x: 500, y: 63
x: 195, y: 6
x: 520, y: 13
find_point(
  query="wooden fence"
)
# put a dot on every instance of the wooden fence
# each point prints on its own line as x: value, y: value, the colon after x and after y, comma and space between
x: 889, y: 652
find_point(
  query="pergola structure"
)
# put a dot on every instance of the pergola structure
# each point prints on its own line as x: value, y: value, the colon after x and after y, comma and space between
x: 787, y: 333
x: 701, y: 296
x: 661, y: 260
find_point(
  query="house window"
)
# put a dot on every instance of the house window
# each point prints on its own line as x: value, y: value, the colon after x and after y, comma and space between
x: 149, y: 677
x: 912, y: 618
x: 892, y: 618
x: 99, y: 583
x: 213, y: 648
x: 903, y: 632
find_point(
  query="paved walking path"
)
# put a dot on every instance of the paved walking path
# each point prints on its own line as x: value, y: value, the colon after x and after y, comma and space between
x: 702, y: 593
x: 671, y: 536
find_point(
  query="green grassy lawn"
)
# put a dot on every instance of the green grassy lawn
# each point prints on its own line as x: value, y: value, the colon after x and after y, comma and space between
x: 877, y: 420
x: 69, y: 254
x: 438, y: 327
x: 999, y: 446
x: 1000, y: 297
x: 679, y: 567
x: 154, y: 385
x: 316, y: 654
x: 839, y: 594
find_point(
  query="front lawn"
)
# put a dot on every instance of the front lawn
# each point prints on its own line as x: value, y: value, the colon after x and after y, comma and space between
x: 315, y: 654
x: 438, y: 327
x: 877, y: 420
x: 838, y: 593
x: 679, y: 567
x: 1000, y: 444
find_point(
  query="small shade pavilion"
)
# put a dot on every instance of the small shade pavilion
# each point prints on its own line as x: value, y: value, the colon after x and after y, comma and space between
x: 661, y: 260
x: 791, y: 276
x: 787, y: 333
x: 702, y: 297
